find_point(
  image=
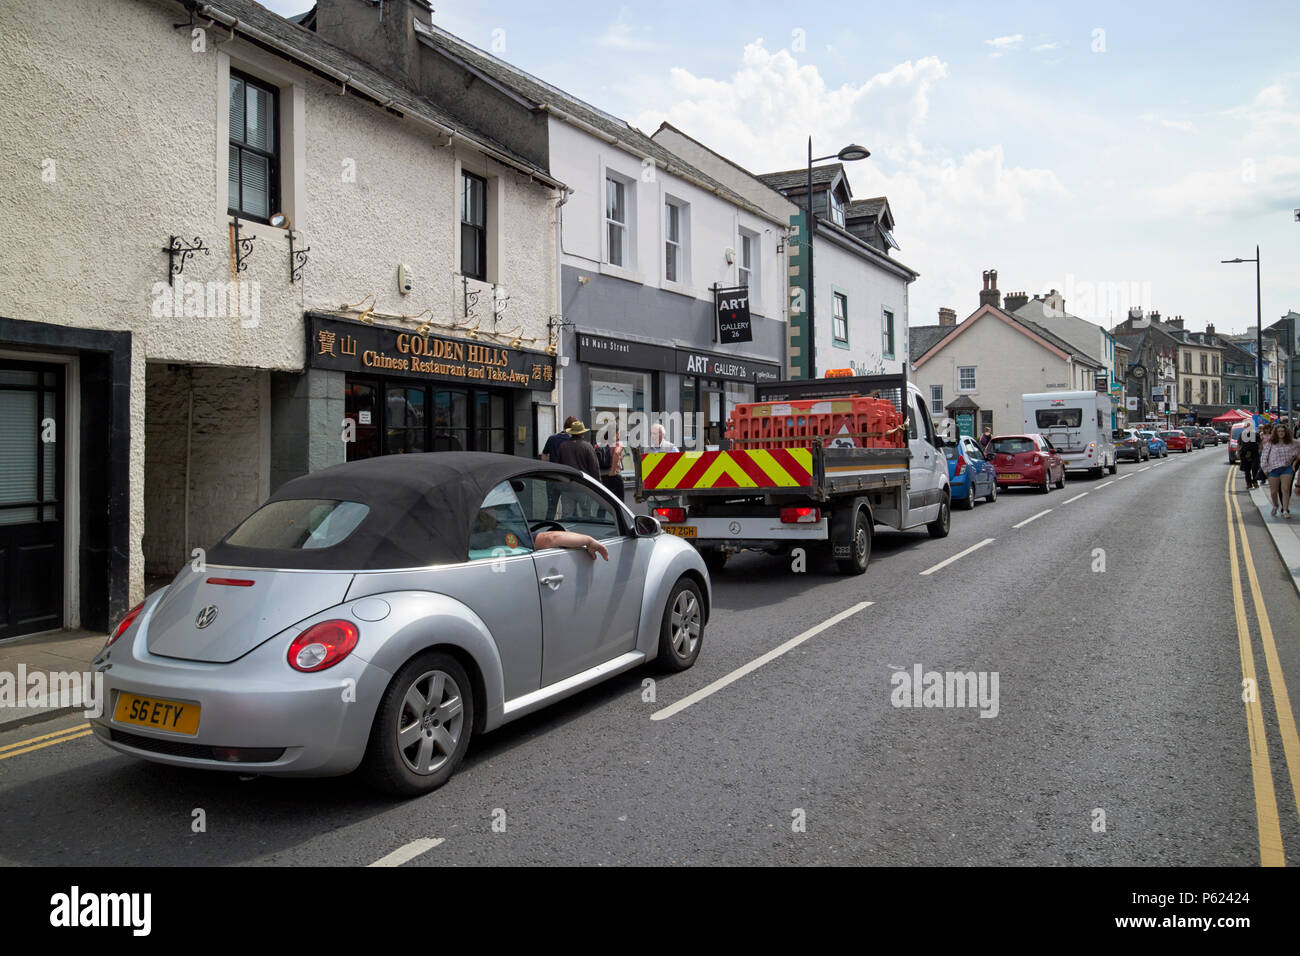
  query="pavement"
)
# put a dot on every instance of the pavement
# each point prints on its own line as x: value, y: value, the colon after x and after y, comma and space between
x: 59, y: 653
x: 1285, y: 533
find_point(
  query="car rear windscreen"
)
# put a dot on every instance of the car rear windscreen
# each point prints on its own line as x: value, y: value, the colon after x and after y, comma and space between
x: 1059, y: 417
x: 1013, y: 446
x: 1172, y: 435
x: 299, y: 524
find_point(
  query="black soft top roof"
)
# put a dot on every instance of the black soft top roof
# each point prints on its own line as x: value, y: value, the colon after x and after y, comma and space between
x: 421, y: 509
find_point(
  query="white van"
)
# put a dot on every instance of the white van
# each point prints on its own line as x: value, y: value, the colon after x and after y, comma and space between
x: 1077, y: 424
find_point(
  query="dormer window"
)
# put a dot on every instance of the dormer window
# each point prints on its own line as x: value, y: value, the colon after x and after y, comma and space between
x: 837, y: 209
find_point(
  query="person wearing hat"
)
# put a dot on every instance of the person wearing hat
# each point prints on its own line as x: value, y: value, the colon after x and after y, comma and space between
x: 577, y: 452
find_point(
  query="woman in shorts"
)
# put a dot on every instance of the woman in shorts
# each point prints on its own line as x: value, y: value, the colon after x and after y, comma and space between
x: 1278, y: 455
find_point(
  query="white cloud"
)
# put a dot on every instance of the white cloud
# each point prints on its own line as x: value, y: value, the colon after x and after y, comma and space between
x: 947, y: 205
x: 1002, y: 45
x: 1042, y: 47
x: 1185, y: 126
x: 622, y: 35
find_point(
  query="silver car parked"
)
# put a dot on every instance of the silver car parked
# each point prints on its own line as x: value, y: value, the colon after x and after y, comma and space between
x: 379, y: 613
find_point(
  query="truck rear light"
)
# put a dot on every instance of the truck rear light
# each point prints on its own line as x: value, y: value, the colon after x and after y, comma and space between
x: 801, y: 515
x: 671, y: 515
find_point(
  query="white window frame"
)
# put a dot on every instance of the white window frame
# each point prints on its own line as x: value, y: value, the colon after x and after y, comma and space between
x: 673, y: 216
x: 747, y: 275
x: 836, y: 208
x: 625, y: 247
x: 836, y: 299
x: 974, y: 378
x: 681, y: 246
x: 888, y: 333
x: 936, y: 400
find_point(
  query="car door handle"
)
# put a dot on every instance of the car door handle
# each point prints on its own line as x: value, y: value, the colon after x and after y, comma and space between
x: 553, y: 581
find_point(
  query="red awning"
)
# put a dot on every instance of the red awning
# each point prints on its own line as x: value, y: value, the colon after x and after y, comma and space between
x: 1232, y: 416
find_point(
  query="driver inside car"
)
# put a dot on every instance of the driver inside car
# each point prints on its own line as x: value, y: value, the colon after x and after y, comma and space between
x: 500, y: 529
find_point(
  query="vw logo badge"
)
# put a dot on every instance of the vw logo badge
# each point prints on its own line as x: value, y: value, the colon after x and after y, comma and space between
x: 206, y: 616
x: 734, y: 527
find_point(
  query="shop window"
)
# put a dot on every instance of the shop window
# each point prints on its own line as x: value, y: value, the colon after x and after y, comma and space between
x: 404, y: 431
x: 450, y: 420
x: 490, y: 423
x: 360, y: 408
x: 615, y: 390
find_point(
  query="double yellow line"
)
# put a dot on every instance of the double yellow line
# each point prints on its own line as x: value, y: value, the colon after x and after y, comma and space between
x: 1270, y: 828
x: 45, y: 740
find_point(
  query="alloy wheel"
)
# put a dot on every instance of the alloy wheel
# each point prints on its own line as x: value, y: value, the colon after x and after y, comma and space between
x: 686, y: 622
x: 431, y: 722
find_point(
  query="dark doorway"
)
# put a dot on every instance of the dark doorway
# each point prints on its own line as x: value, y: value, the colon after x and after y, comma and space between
x: 31, y: 497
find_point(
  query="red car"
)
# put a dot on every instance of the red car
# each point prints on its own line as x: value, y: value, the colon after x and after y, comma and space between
x: 1177, y: 441
x: 1028, y: 460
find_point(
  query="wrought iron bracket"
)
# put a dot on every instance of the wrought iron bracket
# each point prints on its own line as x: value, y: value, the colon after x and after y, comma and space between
x: 243, y: 248
x: 178, y: 252
x: 297, y: 259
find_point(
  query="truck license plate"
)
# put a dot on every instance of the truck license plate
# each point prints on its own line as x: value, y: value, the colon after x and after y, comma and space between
x: 681, y: 530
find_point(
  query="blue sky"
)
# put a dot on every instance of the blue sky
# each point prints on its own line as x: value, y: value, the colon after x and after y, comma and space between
x: 1114, y: 153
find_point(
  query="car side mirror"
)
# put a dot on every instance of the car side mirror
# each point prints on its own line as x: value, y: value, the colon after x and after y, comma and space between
x: 644, y: 526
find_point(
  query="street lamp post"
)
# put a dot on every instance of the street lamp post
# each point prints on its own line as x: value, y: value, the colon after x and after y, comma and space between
x: 1259, y: 335
x: 849, y: 153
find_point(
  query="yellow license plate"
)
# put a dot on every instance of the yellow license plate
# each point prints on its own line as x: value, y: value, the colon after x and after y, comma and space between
x: 170, y: 715
x: 681, y: 530
x: 1010, y: 474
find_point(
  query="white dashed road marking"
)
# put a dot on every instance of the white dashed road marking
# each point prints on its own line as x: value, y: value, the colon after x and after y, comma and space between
x: 1075, y: 498
x: 957, y: 556
x: 1034, y: 518
x: 756, y: 663
x: 408, y: 852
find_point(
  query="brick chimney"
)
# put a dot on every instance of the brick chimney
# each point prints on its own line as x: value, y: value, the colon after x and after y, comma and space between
x: 1209, y: 328
x: 947, y: 316
x: 990, y: 294
x: 380, y: 33
x: 1176, y: 322
x: 1015, y: 300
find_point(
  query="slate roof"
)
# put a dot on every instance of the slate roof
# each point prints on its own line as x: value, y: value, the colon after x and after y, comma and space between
x: 933, y: 334
x: 542, y: 93
x: 297, y: 38
x: 921, y: 338
x: 796, y: 180
x: 1082, y: 336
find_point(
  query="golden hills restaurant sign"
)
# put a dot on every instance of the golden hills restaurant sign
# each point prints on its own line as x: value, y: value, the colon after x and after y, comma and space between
x: 357, y: 348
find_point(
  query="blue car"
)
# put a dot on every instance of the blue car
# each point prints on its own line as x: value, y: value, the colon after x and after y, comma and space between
x: 970, y: 474
x: 1159, y: 449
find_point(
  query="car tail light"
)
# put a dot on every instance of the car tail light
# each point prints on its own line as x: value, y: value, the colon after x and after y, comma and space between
x: 125, y: 626
x: 961, y: 466
x: 671, y: 515
x: 801, y: 515
x: 1037, y: 460
x: 323, y: 645
x: 231, y: 582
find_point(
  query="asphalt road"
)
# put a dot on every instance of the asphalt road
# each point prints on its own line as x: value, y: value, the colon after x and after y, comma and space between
x: 1110, y: 624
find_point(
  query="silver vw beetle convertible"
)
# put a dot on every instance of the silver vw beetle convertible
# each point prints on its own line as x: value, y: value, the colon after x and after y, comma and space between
x: 376, y: 614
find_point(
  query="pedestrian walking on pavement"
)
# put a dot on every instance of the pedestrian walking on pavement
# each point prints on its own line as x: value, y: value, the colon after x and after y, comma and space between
x: 1248, y: 453
x: 1278, y: 460
x: 985, y: 439
x: 610, y: 457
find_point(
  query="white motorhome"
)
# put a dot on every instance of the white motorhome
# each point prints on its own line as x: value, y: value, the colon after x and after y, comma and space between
x: 1077, y: 424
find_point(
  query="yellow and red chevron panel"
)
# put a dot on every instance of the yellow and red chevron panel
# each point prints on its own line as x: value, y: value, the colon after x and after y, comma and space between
x: 757, y: 468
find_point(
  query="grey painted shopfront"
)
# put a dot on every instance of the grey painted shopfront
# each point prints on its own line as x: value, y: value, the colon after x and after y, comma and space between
x: 657, y: 353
